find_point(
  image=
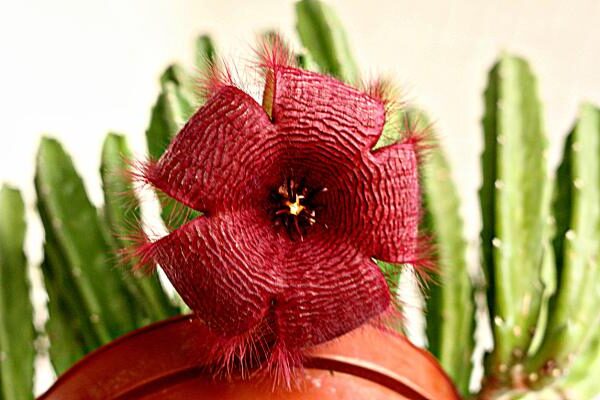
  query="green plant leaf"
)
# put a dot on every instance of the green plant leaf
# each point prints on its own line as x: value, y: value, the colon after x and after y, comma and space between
x: 515, y: 206
x: 122, y: 214
x: 71, y: 335
x: 573, y: 313
x: 450, y: 301
x: 580, y: 382
x: 89, y: 281
x: 17, y: 333
x: 322, y: 34
x: 548, y: 276
x: 205, y: 53
x: 187, y: 81
x: 69, y: 327
x: 577, y: 383
x: 178, y: 76
x: 173, y: 108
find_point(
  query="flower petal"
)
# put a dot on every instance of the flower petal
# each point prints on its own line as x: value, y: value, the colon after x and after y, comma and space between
x: 211, y: 164
x: 313, y: 106
x: 332, y: 288
x: 372, y: 201
x: 391, y: 217
x: 248, y: 281
x: 223, y: 267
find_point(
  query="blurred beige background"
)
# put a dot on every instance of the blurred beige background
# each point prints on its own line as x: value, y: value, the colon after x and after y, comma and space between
x: 77, y: 69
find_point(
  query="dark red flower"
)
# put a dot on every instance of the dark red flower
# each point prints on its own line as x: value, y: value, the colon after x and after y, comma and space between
x: 296, y: 205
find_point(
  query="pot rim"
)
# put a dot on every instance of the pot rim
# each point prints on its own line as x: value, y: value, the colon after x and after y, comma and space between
x: 326, y: 360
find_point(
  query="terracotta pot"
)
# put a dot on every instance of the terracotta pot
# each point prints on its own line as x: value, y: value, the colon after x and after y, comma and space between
x: 164, y: 361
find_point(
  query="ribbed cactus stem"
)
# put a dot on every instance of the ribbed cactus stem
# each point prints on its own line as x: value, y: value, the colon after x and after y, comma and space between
x: 205, y: 52
x: 17, y: 333
x: 450, y: 304
x: 86, y: 278
x: 323, y: 35
x: 172, y: 109
x: 515, y: 206
x: 574, y: 316
x: 69, y: 333
x: 122, y: 214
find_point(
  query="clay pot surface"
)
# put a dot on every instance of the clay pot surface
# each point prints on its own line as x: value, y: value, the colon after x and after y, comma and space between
x: 166, y: 361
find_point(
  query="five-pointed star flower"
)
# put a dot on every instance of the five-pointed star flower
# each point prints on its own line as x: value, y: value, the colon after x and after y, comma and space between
x: 296, y: 205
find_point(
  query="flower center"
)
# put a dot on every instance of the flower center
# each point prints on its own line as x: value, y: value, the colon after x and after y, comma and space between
x: 294, y: 207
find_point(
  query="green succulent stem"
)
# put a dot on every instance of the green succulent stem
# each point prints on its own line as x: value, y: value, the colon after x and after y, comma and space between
x: 573, y: 311
x: 79, y: 252
x: 17, y: 333
x: 69, y: 330
x: 323, y: 35
x: 122, y: 215
x: 173, y: 108
x: 515, y: 199
x: 450, y: 301
x: 205, y: 53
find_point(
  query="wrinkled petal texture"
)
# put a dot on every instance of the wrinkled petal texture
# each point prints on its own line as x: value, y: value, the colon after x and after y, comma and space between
x: 236, y: 271
x: 233, y: 266
x: 374, y: 197
x: 214, y: 163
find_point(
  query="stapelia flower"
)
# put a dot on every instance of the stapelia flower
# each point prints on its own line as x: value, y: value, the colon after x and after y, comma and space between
x: 295, y: 207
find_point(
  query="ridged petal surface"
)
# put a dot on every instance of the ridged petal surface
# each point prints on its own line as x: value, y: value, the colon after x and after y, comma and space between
x: 248, y: 278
